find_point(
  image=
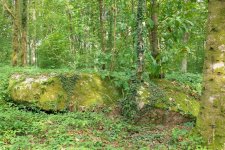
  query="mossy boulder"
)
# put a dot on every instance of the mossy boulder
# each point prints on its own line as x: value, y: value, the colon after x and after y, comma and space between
x: 58, y: 92
x: 166, y: 102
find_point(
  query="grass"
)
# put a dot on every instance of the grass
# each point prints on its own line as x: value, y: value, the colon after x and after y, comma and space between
x: 23, y: 129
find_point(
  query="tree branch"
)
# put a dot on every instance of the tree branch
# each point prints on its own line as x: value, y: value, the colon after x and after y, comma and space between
x: 6, y: 7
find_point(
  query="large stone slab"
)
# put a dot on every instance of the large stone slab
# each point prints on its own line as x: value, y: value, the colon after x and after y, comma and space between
x: 58, y: 92
x: 166, y: 102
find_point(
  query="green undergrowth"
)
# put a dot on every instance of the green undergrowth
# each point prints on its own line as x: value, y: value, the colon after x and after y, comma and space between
x: 192, y: 82
x: 23, y: 128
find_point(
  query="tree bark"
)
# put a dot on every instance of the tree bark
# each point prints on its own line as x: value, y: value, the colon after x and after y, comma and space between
x: 153, y: 38
x: 71, y: 30
x: 140, y: 43
x: 184, y: 62
x: 153, y: 32
x: 211, y: 119
x: 16, y: 33
x: 33, y: 46
x: 114, y: 36
x: 24, y: 34
x: 102, y: 28
x: 17, y: 27
x: 110, y: 32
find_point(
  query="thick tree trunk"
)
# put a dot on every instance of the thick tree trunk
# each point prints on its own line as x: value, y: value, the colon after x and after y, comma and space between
x: 24, y: 34
x: 211, y: 120
x: 140, y: 43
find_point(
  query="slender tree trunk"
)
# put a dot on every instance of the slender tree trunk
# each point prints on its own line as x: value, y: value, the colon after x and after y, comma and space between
x: 110, y: 32
x: 211, y: 119
x: 137, y: 80
x: 140, y: 43
x: 24, y: 34
x: 133, y: 26
x: 132, y: 6
x: 184, y: 63
x: 33, y: 56
x: 153, y: 32
x: 153, y: 38
x: 71, y: 30
x: 29, y: 40
x: 16, y: 33
x: 102, y: 28
x: 114, y: 36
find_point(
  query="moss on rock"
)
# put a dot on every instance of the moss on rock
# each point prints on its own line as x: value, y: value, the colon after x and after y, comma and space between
x: 167, y: 97
x: 91, y: 90
x: 178, y: 98
x: 44, y: 91
x: 57, y: 92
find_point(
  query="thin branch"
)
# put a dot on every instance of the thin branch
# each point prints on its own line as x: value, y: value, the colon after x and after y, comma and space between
x: 6, y: 7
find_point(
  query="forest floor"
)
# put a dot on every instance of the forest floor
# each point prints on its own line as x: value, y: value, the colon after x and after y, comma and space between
x: 22, y: 128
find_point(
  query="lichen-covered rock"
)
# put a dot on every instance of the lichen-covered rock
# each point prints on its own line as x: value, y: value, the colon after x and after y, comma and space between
x: 58, y: 92
x: 166, y: 102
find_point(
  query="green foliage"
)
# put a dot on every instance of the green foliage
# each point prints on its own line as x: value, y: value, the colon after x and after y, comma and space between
x: 186, y: 140
x: 5, y: 39
x: 4, y: 79
x: 129, y: 103
x: 22, y: 129
x: 157, y: 95
x: 4, y: 51
x: 51, y: 26
x: 173, y: 25
x: 54, y: 51
x: 126, y: 82
x: 193, y: 81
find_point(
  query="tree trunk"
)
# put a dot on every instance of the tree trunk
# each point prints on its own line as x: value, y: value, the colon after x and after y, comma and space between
x: 33, y: 47
x: 102, y: 28
x: 211, y: 120
x: 140, y: 43
x: 153, y: 36
x: 16, y: 33
x: 133, y: 26
x: 153, y: 32
x: 184, y: 62
x: 114, y: 36
x: 71, y: 30
x: 24, y: 34
x: 110, y: 32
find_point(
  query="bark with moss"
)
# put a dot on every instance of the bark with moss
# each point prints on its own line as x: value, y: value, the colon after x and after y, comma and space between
x: 24, y: 33
x: 211, y: 120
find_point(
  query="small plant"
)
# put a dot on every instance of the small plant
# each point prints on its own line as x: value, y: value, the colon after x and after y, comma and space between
x: 193, y: 81
x: 178, y: 135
